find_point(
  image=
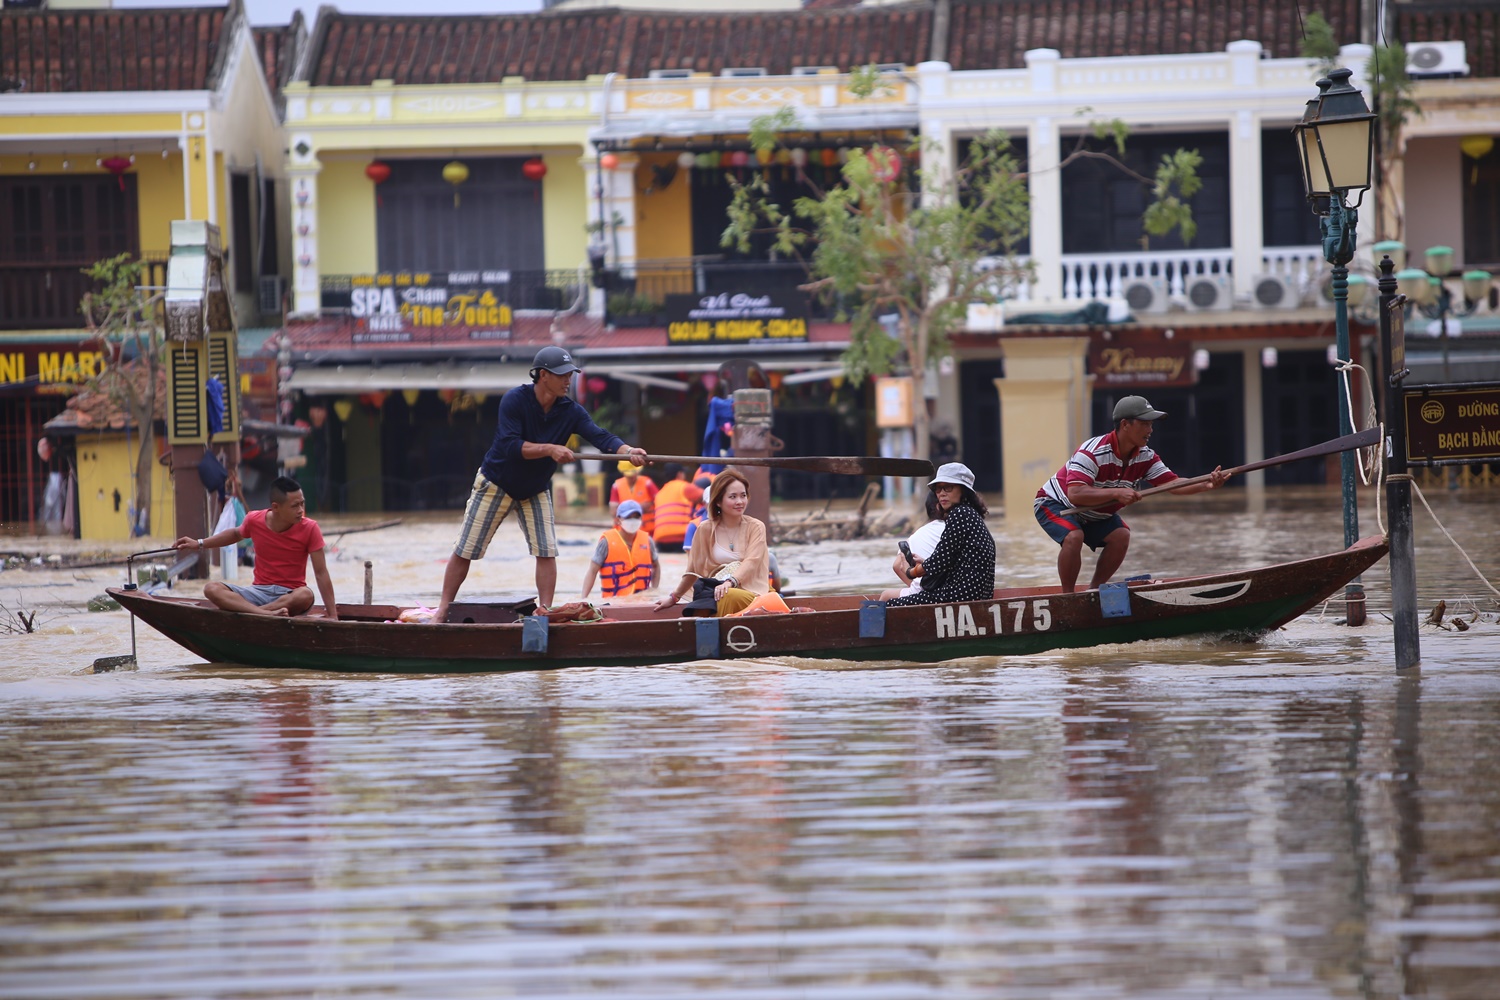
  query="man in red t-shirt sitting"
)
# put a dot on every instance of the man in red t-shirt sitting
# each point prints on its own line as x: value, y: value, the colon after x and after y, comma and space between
x: 285, y: 538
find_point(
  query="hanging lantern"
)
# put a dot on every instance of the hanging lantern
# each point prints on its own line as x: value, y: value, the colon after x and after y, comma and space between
x: 885, y: 163
x: 455, y: 173
x: 411, y: 396
x: 764, y: 156
x: 344, y: 408
x: 480, y: 397
x: 686, y: 161
x: 1476, y: 148
x: 378, y: 398
x: 775, y: 379
x: 710, y: 380
x: 798, y: 157
x: 609, y: 161
x: 379, y: 173
x: 534, y: 169
x: 716, y: 159
x: 447, y: 395
x: 830, y: 157
x: 596, y: 384
x: 116, y: 165
x: 704, y: 160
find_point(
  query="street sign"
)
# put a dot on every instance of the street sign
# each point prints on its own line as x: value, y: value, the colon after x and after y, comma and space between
x: 1452, y: 424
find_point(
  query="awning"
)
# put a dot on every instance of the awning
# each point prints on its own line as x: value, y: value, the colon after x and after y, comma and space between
x: 477, y: 377
x: 687, y: 126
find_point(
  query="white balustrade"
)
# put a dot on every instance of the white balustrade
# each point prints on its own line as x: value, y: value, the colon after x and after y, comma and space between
x: 1091, y: 276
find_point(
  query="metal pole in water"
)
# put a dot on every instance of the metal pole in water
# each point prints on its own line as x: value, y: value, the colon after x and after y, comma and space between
x: 369, y: 583
x: 1397, y: 477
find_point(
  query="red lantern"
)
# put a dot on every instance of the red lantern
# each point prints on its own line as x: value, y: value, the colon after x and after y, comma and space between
x: 379, y: 173
x: 116, y: 165
x: 609, y: 161
x: 534, y: 169
x: 885, y: 163
x: 596, y: 384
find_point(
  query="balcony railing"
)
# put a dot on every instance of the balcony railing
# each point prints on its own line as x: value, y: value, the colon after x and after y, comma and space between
x: 47, y: 296
x: 635, y: 294
x: 1089, y: 277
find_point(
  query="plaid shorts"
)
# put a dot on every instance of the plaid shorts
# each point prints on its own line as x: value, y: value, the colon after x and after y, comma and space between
x: 488, y: 506
x: 259, y: 594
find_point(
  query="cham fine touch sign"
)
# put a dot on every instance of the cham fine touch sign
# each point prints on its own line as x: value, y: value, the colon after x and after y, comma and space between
x: 1453, y: 424
x: 391, y: 305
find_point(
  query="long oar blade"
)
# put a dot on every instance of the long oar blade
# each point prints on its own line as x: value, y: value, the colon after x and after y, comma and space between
x: 841, y: 465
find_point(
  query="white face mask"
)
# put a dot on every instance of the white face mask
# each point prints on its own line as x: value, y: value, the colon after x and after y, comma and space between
x: 631, y: 524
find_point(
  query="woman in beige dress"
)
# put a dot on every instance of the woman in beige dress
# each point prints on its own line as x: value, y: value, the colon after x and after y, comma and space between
x: 729, y: 547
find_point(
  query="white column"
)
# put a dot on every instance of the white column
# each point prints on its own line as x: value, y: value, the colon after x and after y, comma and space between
x: 619, y: 209
x: 1045, y: 184
x: 302, y: 176
x: 1246, y: 223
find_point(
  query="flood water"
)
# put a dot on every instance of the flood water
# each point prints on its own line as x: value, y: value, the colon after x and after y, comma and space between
x: 1175, y: 819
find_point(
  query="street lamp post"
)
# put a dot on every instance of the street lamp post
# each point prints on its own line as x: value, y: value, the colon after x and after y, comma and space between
x: 1335, y: 139
x: 1427, y: 293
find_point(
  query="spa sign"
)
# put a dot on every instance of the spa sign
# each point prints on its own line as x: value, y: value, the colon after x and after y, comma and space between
x: 737, y: 317
x: 1130, y: 362
x: 390, y: 306
x: 1453, y: 424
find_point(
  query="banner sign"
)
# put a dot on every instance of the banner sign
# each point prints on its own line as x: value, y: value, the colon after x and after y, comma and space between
x: 48, y: 366
x: 1128, y: 361
x: 390, y: 306
x: 1449, y: 424
x: 737, y: 317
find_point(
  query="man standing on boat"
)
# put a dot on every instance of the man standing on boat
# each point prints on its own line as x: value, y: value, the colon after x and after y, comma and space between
x: 535, y: 423
x: 285, y: 539
x: 1099, y: 480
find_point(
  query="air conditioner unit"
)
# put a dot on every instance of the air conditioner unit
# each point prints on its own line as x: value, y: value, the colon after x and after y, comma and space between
x: 1146, y: 295
x: 1275, y: 291
x: 1209, y: 291
x: 269, y: 295
x: 1437, y: 59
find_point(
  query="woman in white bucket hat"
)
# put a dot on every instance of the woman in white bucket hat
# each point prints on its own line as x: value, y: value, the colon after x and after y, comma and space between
x: 962, y: 566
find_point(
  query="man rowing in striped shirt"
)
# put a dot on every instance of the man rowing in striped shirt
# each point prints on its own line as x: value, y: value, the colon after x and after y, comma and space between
x: 1101, y: 478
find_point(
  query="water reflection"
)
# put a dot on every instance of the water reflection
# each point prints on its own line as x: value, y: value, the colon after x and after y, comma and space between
x: 1281, y: 819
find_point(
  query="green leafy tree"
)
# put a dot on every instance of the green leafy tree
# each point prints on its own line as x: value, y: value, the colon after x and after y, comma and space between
x: 128, y: 322
x: 906, y: 265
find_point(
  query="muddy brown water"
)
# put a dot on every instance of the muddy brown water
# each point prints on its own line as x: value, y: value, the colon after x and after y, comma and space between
x: 1187, y: 818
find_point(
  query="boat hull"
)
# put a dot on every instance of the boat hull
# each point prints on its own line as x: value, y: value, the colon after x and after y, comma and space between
x: 1012, y: 623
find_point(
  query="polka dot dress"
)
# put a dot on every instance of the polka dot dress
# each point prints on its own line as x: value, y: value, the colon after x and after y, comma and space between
x: 962, y: 567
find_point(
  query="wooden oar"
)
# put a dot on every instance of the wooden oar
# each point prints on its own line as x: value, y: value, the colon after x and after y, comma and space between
x: 1348, y: 442
x: 842, y: 465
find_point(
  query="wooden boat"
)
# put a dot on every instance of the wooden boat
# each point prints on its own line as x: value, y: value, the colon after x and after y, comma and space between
x: 493, y: 637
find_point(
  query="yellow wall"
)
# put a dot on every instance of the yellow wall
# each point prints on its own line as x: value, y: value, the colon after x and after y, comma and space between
x: 564, y: 212
x: 105, y: 465
x: 664, y: 221
x: 346, y: 218
x: 159, y: 183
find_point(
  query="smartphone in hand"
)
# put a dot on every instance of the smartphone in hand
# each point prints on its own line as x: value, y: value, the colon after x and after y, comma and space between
x: 905, y: 548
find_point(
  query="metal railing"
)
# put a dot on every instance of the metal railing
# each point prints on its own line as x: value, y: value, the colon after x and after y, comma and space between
x: 635, y: 294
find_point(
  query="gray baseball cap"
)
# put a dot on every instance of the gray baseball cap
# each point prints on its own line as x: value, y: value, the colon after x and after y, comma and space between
x: 1136, y: 408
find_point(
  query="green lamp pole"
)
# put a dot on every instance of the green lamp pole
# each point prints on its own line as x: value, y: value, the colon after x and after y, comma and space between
x: 1335, y: 138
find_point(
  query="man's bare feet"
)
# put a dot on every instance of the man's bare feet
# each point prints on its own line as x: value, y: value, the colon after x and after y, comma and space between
x: 277, y: 613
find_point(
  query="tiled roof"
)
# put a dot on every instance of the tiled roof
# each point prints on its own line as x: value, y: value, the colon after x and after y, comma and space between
x: 92, y: 50
x: 279, y: 46
x: 357, y: 49
x: 1476, y: 23
x: 983, y: 34
x: 94, y: 410
x: 987, y: 35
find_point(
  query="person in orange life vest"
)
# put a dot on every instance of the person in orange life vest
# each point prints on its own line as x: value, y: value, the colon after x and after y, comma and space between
x: 285, y: 539
x: 633, y: 486
x: 625, y: 559
x: 676, y: 503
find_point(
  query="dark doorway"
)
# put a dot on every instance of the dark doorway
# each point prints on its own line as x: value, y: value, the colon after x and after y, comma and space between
x: 1300, y: 399
x: 979, y: 413
x: 493, y: 220
x: 1204, y: 424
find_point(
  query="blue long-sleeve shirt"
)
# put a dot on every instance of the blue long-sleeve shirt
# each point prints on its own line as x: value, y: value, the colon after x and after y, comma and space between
x: 522, y: 419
